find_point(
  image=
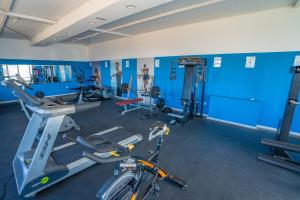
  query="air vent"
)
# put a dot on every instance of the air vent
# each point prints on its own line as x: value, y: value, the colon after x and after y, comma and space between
x: 100, y: 18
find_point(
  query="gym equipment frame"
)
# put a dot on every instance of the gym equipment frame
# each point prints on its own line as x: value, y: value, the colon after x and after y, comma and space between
x: 34, y: 165
x: 134, y: 103
x: 280, y: 147
x: 68, y: 122
x: 194, y: 75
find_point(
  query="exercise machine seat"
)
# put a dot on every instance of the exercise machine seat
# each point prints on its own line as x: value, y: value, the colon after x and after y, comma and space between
x: 129, y: 101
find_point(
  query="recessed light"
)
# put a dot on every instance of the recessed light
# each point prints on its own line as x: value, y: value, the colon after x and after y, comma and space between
x: 131, y: 6
x: 69, y: 33
x: 54, y: 39
x: 92, y: 23
x: 14, y: 19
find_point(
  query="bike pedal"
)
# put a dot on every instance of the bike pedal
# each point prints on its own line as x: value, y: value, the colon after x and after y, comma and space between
x: 150, y: 151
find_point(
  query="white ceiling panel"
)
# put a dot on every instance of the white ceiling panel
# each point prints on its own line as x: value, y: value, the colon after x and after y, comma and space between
x: 26, y: 27
x: 49, y: 9
x: 7, y: 33
x: 73, y: 17
x: 219, y: 10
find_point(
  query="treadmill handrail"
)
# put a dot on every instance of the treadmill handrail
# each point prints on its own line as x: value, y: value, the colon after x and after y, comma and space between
x: 47, y: 107
x: 24, y: 96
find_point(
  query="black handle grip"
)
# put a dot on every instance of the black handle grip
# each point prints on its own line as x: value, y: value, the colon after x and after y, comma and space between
x: 177, y: 181
x: 98, y: 159
x: 85, y: 143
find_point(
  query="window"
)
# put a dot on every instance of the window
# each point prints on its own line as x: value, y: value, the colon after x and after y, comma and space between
x: 62, y: 73
x: 25, y: 72
x: 37, y: 74
x: 10, y: 71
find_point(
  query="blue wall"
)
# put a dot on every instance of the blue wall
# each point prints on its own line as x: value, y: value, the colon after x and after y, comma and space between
x: 48, y: 89
x: 105, y: 73
x: 170, y: 89
x: 127, y: 72
x: 250, y: 96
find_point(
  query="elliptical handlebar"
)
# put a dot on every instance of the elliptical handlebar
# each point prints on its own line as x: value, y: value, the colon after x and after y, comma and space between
x: 159, y: 131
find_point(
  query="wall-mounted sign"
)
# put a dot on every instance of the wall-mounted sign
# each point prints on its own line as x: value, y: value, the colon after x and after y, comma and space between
x: 217, y: 61
x: 297, y: 61
x: 250, y: 61
x: 127, y: 63
x: 156, y: 64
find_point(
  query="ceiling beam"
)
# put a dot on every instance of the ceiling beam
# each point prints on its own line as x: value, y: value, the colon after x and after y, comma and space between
x: 81, y: 14
x: 296, y: 4
x: 169, y: 13
x: 172, y: 12
x: 98, y: 31
x: 6, y: 5
x: 110, y: 32
x: 28, y: 17
x: 84, y: 37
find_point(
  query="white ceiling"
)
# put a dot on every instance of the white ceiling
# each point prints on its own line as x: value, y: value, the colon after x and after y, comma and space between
x: 73, y: 17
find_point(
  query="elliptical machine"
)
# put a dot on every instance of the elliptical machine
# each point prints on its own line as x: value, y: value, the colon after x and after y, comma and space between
x: 89, y: 92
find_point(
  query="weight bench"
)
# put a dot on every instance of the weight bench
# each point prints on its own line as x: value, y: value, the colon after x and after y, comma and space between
x: 130, y: 102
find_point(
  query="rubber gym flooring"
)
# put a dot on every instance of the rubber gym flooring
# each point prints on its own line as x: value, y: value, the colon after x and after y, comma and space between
x: 218, y: 161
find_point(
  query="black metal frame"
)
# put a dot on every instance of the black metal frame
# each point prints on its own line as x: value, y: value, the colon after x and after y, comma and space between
x: 280, y: 146
x: 200, y: 78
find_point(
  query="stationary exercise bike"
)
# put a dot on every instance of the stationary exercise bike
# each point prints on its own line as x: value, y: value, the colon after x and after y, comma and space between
x: 131, y: 172
x: 87, y: 90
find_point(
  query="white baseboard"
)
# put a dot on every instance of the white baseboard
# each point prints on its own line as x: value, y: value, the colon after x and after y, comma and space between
x: 232, y: 123
x: 274, y: 130
x: 267, y: 128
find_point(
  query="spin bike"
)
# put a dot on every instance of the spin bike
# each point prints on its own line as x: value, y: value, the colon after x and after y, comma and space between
x: 131, y: 172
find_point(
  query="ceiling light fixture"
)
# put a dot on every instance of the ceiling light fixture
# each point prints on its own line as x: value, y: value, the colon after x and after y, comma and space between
x: 54, y: 39
x: 14, y: 19
x: 92, y: 23
x: 69, y: 33
x: 131, y: 6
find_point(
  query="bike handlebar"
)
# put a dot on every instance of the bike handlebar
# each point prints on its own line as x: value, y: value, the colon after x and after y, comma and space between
x: 98, y: 159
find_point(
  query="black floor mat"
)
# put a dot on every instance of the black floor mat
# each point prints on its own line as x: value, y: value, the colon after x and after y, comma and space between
x: 217, y: 161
